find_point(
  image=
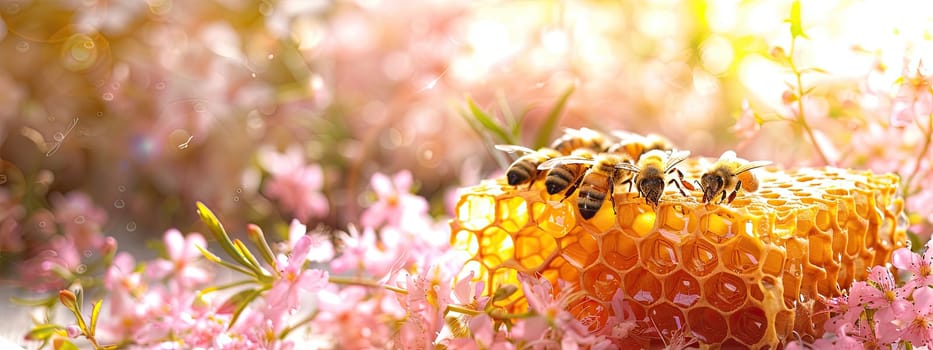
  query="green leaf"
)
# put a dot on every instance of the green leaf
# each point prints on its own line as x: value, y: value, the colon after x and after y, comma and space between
x: 240, y: 301
x: 488, y: 123
x: 208, y: 217
x: 253, y: 263
x: 210, y: 256
x: 814, y: 70
x: 258, y: 237
x: 796, y: 25
x: 44, y: 331
x: 95, y: 313
x: 553, y: 116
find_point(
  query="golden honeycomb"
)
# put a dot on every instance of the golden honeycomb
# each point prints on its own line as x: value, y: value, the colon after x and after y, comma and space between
x: 748, y: 274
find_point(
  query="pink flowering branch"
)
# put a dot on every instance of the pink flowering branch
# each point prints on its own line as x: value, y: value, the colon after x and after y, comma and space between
x: 796, y: 28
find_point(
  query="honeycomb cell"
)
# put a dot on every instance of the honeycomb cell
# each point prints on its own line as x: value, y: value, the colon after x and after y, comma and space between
x: 658, y: 254
x: 725, y: 291
x: 591, y: 310
x: 717, y: 227
x: 466, y: 241
x: 743, y: 255
x: 682, y: 289
x: 700, y: 257
x: 673, y: 218
x: 601, y: 282
x: 778, y: 249
x: 707, y: 325
x: 579, y: 248
x: 496, y: 246
x: 557, y: 219
x: 748, y: 325
x: 476, y: 212
x: 642, y: 286
x: 619, y: 251
x: 644, y: 223
x: 667, y: 319
x: 531, y: 251
x: 513, y: 214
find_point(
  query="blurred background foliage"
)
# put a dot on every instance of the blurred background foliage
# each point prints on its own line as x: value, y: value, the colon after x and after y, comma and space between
x: 174, y: 101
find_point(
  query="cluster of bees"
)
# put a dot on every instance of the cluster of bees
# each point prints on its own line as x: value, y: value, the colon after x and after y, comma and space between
x: 597, y: 165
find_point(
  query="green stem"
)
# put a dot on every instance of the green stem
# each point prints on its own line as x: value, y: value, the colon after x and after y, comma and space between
x: 923, y: 152
x: 460, y: 309
x: 300, y: 323
x: 364, y: 283
x: 800, y: 115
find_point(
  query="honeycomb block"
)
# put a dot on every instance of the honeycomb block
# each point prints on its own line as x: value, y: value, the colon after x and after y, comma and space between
x: 747, y: 274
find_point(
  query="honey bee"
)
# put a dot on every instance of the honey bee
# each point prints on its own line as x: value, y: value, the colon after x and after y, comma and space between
x: 636, y: 145
x: 605, y: 174
x: 583, y: 138
x: 525, y: 168
x: 651, y: 174
x: 564, y: 172
x: 729, y: 173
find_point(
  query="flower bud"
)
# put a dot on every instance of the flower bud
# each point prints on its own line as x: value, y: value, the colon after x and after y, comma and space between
x: 778, y: 53
x: 788, y: 97
x: 68, y: 299
x: 73, y: 331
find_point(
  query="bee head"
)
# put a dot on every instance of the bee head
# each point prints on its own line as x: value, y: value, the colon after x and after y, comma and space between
x: 652, y: 188
x: 711, y: 184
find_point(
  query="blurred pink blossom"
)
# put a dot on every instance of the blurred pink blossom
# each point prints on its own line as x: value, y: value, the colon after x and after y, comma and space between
x: 914, y: 98
x: 181, y: 264
x: 80, y: 219
x: 294, y: 184
x: 43, y: 271
x: 293, y: 277
x: 321, y: 250
x: 395, y: 205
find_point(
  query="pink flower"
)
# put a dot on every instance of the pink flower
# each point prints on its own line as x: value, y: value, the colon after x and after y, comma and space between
x: 622, y: 322
x: 916, y: 318
x: 428, y: 295
x: 921, y: 267
x: 551, y: 312
x: 182, y: 256
x: 294, y: 184
x: 293, y: 278
x: 395, y: 206
x: 322, y: 250
x: 46, y: 270
x: 914, y: 98
x: 346, y: 316
x: 361, y: 253
x: 748, y: 124
x: 81, y: 220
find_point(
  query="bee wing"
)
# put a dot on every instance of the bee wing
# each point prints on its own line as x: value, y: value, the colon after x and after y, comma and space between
x: 514, y: 149
x: 728, y: 155
x: 751, y: 165
x: 628, y: 166
x: 675, y: 158
x: 553, y: 162
x: 626, y: 137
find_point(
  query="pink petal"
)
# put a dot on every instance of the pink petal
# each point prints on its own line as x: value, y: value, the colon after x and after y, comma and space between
x: 402, y: 181
x: 174, y: 244
x: 904, y: 259
x: 382, y: 185
x: 295, y: 231
x: 300, y: 252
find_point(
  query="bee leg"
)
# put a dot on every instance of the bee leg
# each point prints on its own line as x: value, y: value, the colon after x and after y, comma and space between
x: 735, y: 191
x: 723, y: 197
x: 677, y: 184
x: 629, y: 182
x: 573, y: 187
x: 687, y: 185
x: 612, y: 197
